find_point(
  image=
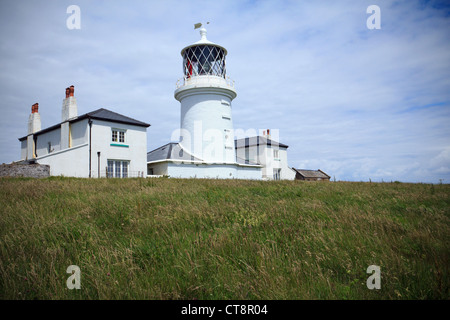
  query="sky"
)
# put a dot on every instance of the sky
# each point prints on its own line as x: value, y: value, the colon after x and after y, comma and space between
x: 360, y: 104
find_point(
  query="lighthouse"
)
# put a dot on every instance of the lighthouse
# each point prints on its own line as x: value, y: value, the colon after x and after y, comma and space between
x: 206, y: 146
x: 206, y: 94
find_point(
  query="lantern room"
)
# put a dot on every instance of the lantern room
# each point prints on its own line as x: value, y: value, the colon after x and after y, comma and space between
x: 204, y: 58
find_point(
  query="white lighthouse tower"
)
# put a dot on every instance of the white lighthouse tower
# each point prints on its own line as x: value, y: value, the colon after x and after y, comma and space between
x: 205, y: 95
x: 206, y: 148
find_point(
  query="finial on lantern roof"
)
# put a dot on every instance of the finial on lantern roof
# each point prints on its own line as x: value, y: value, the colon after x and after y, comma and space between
x: 202, y: 30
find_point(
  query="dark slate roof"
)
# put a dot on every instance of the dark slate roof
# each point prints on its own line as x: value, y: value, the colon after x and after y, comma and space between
x: 100, y: 114
x: 312, y: 173
x: 160, y: 153
x: 170, y: 151
x: 104, y: 114
x: 257, y: 141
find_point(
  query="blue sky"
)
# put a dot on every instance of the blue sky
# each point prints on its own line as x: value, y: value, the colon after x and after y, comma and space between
x: 359, y: 104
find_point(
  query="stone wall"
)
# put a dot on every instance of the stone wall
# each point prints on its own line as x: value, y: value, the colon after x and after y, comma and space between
x: 24, y: 170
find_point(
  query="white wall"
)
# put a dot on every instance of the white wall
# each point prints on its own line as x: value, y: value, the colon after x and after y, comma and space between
x: 23, y: 149
x: 213, y: 171
x: 251, y: 155
x: 286, y: 172
x: 53, y: 137
x: 277, y: 163
x: 79, y: 132
x: 72, y: 162
x: 159, y: 169
x: 134, y: 149
x: 30, y: 147
x: 247, y: 172
x: 65, y: 133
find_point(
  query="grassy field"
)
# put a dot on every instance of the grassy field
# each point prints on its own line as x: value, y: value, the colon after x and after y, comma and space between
x: 215, y: 239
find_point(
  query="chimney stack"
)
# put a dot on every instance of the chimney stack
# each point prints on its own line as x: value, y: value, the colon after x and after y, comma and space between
x: 69, y: 107
x: 69, y: 111
x: 34, y: 121
x: 34, y: 125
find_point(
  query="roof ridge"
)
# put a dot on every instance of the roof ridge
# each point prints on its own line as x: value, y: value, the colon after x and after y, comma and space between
x: 260, y: 140
x: 164, y: 145
x: 126, y: 118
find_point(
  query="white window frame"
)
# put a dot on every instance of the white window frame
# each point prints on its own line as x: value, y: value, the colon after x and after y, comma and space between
x: 117, y: 133
x: 276, y: 154
x: 118, y: 168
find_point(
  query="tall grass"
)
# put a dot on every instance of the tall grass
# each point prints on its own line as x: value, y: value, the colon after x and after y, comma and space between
x: 222, y: 239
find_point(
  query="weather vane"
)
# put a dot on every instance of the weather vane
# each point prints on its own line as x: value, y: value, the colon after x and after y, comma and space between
x: 198, y: 25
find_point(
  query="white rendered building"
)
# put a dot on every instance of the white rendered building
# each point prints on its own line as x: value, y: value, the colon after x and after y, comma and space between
x: 96, y: 144
x: 270, y: 154
x: 206, y: 147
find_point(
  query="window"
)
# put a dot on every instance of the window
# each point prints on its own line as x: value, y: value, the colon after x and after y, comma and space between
x: 276, y: 174
x: 276, y: 154
x: 118, y: 169
x: 204, y: 59
x: 124, y: 169
x: 118, y: 135
x: 117, y: 165
x: 110, y: 168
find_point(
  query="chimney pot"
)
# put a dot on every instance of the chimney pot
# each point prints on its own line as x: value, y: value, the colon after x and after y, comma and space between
x: 34, y: 108
x: 67, y: 92
x: 72, y: 90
